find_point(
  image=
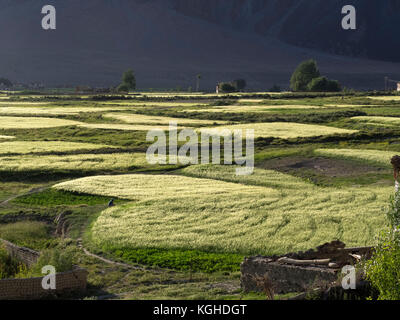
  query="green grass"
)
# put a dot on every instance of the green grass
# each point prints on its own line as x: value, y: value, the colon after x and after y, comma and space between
x: 31, y: 234
x: 371, y: 156
x: 26, y: 147
x: 188, y: 260
x: 52, y: 197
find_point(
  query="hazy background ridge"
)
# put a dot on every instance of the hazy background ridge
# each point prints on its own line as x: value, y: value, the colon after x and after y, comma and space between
x: 168, y: 42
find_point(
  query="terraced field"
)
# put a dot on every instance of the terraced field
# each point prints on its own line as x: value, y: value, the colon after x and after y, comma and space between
x: 377, y: 156
x: 384, y: 121
x: 284, y: 130
x: 145, y: 119
x: 272, y: 212
x: 26, y: 147
x: 123, y: 127
x: 26, y: 110
x: 80, y: 162
x: 33, y: 123
x: 253, y: 108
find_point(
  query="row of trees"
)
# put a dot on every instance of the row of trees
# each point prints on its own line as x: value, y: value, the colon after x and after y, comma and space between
x: 306, y: 77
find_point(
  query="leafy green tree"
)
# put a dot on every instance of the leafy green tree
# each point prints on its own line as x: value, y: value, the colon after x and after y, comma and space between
x: 239, y: 84
x: 323, y: 84
x: 226, y: 87
x: 128, y: 78
x: 303, y: 75
x: 123, y: 87
x: 334, y: 86
x: 318, y: 84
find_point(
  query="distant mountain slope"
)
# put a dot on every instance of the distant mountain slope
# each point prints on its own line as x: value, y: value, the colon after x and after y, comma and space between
x: 96, y: 40
x: 310, y: 23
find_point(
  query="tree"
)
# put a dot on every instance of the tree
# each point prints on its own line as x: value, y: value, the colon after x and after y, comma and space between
x: 123, y: 87
x: 198, y: 78
x: 7, y: 83
x: 226, y: 87
x: 303, y: 75
x: 128, y: 78
x: 239, y: 84
x: 322, y: 84
x: 334, y: 86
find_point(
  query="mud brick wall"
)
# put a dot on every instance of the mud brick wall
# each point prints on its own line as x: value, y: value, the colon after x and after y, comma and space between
x: 25, y: 255
x: 31, y: 288
x: 284, y: 278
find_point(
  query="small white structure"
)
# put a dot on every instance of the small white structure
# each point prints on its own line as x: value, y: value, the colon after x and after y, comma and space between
x: 398, y: 86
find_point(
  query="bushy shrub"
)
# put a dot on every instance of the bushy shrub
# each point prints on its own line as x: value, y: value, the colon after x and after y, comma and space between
x: 383, y: 269
x: 60, y: 259
x: 8, y: 265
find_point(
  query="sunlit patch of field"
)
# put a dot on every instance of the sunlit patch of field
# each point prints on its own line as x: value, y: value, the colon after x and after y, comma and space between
x: 145, y: 119
x: 250, y: 100
x: 349, y: 106
x: 33, y: 122
x: 254, y: 108
x: 55, y: 110
x: 25, y: 147
x: 7, y: 137
x: 124, y: 127
x: 89, y: 162
x: 391, y: 121
x: 271, y: 212
x: 284, y: 130
x: 386, y: 98
x: 22, y: 103
x: 154, y: 104
x: 377, y: 156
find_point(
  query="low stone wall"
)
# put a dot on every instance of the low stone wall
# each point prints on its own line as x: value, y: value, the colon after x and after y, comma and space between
x: 31, y: 288
x: 25, y: 255
x: 284, y: 278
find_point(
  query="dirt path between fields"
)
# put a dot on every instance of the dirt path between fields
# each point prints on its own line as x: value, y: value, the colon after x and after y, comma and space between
x: 30, y: 192
x: 108, y: 261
